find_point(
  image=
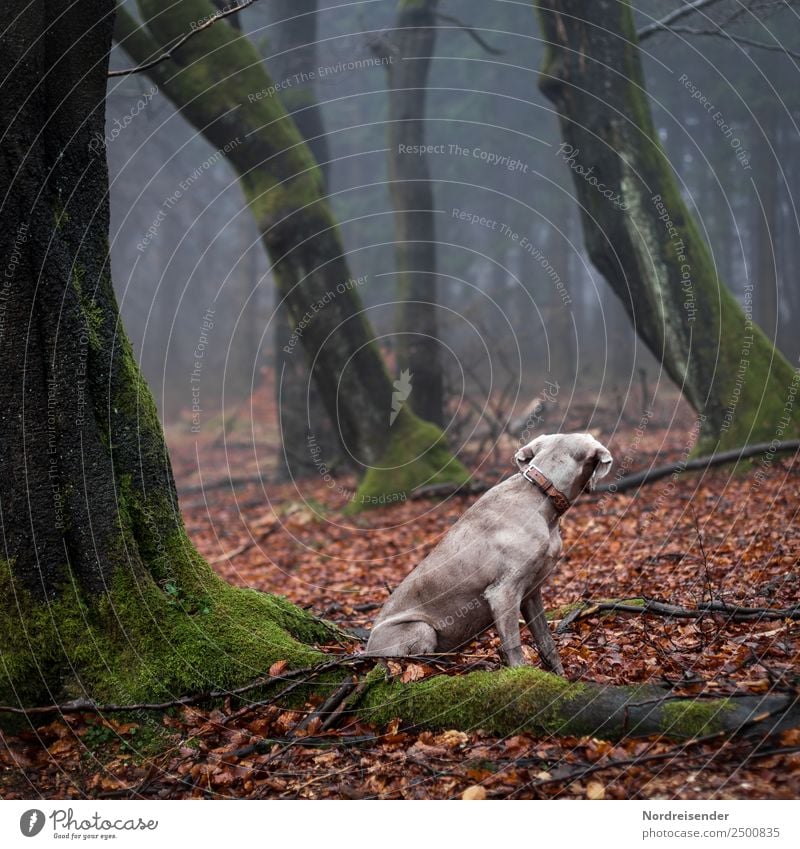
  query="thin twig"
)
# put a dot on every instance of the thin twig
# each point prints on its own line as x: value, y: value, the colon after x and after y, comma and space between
x: 643, y: 606
x: 675, y: 15
x: 182, y: 40
x: 476, y: 36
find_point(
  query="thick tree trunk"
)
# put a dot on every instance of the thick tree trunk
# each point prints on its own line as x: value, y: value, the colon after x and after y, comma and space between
x: 641, y: 236
x: 220, y: 84
x: 412, y: 43
x: 292, y: 48
x: 101, y: 590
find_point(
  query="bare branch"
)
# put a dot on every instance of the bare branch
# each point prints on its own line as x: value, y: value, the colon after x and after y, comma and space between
x: 473, y: 34
x: 738, y: 39
x: 675, y: 15
x: 167, y: 54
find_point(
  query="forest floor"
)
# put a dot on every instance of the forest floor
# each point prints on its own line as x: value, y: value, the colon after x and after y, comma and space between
x: 718, y: 536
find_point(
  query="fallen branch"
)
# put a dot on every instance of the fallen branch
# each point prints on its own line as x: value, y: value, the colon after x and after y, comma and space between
x: 646, y: 606
x: 651, y: 475
x: 254, y: 540
x: 444, y: 490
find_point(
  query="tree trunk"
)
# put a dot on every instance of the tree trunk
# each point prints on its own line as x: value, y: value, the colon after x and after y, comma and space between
x: 412, y: 43
x: 101, y: 590
x: 220, y: 85
x: 641, y: 236
x: 292, y: 57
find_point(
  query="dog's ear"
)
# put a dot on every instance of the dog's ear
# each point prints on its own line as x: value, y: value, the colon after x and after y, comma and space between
x: 528, y: 452
x: 603, y: 461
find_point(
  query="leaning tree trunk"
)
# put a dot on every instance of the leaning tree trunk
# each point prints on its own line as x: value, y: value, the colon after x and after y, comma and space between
x: 410, y: 47
x: 220, y: 84
x: 292, y: 55
x: 641, y: 236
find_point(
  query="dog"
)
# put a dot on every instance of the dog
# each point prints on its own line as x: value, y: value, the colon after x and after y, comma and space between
x: 492, y: 563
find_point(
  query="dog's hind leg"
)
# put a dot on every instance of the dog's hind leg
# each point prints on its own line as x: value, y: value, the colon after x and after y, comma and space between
x: 402, y: 639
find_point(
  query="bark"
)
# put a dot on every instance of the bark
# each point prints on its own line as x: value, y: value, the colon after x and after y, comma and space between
x: 220, y: 85
x: 641, y: 236
x: 292, y: 45
x: 101, y: 590
x: 412, y: 43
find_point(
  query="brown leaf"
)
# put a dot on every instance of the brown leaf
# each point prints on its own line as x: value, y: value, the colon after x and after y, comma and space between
x: 277, y: 667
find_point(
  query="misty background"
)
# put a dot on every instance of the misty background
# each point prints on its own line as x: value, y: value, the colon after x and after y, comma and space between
x: 534, y: 299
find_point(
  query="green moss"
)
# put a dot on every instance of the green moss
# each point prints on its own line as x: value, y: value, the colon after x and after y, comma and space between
x: 694, y: 718
x: 416, y: 455
x: 92, y: 312
x: 505, y: 701
x: 135, y: 642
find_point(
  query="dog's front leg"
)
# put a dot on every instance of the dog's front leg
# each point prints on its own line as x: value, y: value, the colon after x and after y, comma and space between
x: 533, y: 611
x: 504, y: 604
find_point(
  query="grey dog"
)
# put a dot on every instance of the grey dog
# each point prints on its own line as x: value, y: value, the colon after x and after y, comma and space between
x: 492, y: 563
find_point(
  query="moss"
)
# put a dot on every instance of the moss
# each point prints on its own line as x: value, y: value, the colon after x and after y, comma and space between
x: 505, y: 701
x: 688, y: 718
x: 92, y: 312
x: 135, y: 642
x: 416, y: 455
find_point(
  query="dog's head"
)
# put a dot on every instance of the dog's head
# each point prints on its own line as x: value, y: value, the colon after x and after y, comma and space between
x: 571, y: 460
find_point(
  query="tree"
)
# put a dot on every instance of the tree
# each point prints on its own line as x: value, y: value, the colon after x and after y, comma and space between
x: 103, y: 595
x: 409, y: 50
x: 219, y: 83
x: 293, y: 48
x: 641, y: 236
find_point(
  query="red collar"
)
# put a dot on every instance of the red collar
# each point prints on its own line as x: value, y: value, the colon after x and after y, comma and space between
x: 539, y: 479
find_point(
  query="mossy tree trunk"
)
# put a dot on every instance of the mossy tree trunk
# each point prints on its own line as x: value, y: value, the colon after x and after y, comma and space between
x: 411, y: 44
x: 641, y: 236
x: 291, y: 57
x: 101, y: 590
x: 220, y: 85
